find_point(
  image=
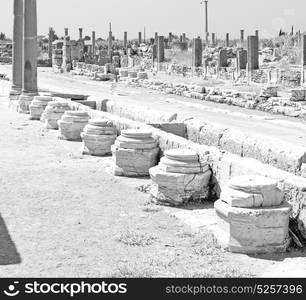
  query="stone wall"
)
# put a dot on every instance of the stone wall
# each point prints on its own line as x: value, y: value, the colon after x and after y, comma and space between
x: 224, y: 165
x: 276, y: 105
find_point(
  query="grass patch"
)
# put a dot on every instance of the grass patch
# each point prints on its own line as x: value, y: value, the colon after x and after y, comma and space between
x: 137, y: 239
x: 151, y: 209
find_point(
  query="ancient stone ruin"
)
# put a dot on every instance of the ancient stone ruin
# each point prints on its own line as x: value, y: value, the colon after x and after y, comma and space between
x: 179, y: 178
x: 134, y: 153
x: 253, y: 216
x: 256, y: 185
x: 72, y: 124
x: 98, y: 137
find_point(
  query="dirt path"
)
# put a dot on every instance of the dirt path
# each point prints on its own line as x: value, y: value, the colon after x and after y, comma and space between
x: 62, y: 214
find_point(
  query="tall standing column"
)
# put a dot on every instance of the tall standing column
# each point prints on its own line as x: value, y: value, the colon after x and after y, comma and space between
x: 93, y: 38
x: 242, y: 38
x: 253, y: 59
x: 303, y: 40
x: 125, y: 40
x: 206, y: 23
x: 139, y: 38
x: 80, y: 34
x: 213, y: 39
x: 50, y: 41
x: 29, y: 79
x: 197, y: 51
x: 155, y: 38
x: 110, y: 41
x: 17, y: 50
x: 227, y: 40
x: 170, y: 37
x: 160, y: 49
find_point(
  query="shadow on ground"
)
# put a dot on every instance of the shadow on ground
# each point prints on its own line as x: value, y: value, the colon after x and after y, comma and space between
x: 8, y: 252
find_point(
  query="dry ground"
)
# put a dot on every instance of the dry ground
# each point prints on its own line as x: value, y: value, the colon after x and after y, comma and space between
x: 62, y: 214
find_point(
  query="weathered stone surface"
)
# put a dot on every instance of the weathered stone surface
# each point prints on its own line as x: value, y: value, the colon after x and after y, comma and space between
x: 178, y: 189
x: 136, y: 139
x: 53, y: 113
x: 134, y: 162
x: 135, y: 113
x: 134, y: 153
x: 252, y: 191
x: 24, y: 104
x: 97, y: 145
x: 224, y: 165
x: 180, y: 177
x: 143, y: 75
x: 38, y: 106
x: 253, y: 231
x: 182, y: 155
x: 98, y: 137
x: 124, y: 73
x: 132, y: 74
x: 72, y: 124
x: 274, y: 152
x: 298, y: 95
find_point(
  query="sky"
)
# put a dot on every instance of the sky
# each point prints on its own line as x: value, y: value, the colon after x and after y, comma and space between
x: 163, y: 16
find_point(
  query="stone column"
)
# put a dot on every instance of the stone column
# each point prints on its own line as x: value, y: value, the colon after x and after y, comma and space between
x: 139, y: 38
x: 184, y: 37
x: 154, y: 52
x: 213, y: 39
x: 160, y: 49
x: 197, y: 51
x: 93, y: 38
x: 155, y: 38
x: 80, y: 34
x: 222, y: 59
x: 242, y: 38
x: 17, y: 50
x: 29, y: 80
x: 303, y: 41
x: 67, y: 60
x: 304, y: 50
x: 125, y: 40
x: 253, y: 58
x: 51, y: 39
x: 110, y: 41
x: 227, y: 40
x: 242, y: 59
x: 170, y: 37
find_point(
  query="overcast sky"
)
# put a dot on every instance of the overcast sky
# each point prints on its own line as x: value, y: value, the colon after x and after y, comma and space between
x: 164, y: 16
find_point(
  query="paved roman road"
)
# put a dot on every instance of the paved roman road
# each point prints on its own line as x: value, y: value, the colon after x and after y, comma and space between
x: 248, y: 121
